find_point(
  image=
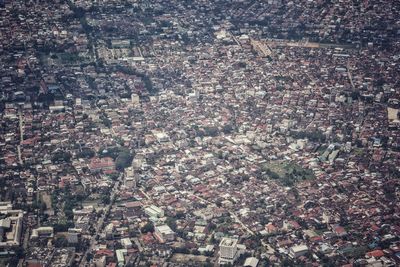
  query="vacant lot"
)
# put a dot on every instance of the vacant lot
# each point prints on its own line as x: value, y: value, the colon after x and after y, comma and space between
x: 188, y: 258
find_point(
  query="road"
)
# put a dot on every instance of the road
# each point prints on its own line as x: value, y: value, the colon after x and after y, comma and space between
x: 19, y: 155
x: 144, y: 193
x: 137, y: 242
x: 349, y: 75
x: 100, y: 224
x: 21, y: 136
x: 305, y: 44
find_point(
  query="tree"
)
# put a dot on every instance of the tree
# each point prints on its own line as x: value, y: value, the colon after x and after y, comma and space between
x: 148, y: 227
x: 114, y: 176
x: 211, y: 131
x: 265, y: 262
x: 60, y: 242
x: 179, y: 215
x: 46, y: 98
x: 123, y: 160
x: 171, y: 222
x: 227, y: 129
x: 105, y: 199
x: 209, y: 253
x: 61, y: 156
x: 287, y: 262
x: 86, y: 153
x: 62, y: 227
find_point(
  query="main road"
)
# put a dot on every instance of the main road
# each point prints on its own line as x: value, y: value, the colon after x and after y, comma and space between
x: 21, y: 136
x: 100, y: 224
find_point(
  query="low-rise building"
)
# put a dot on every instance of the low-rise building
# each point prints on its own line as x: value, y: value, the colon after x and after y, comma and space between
x: 297, y: 251
x: 164, y: 233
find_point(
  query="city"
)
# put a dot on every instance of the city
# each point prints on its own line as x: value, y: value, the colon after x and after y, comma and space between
x: 199, y: 133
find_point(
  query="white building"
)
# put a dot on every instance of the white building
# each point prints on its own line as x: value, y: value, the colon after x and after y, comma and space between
x: 73, y: 235
x: 126, y: 243
x: 121, y: 256
x: 251, y: 262
x: 161, y: 137
x: 10, y: 226
x: 137, y: 162
x: 164, y: 233
x: 130, y: 179
x: 228, y: 251
x: 135, y: 100
x: 45, y: 231
x: 153, y: 211
x: 100, y: 262
x: 297, y: 251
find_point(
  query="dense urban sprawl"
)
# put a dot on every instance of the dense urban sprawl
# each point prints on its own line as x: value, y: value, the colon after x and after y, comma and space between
x: 199, y: 133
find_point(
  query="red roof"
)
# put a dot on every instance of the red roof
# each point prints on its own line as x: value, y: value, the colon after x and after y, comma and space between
x: 270, y: 227
x: 374, y: 227
x: 102, y: 163
x: 105, y: 252
x: 133, y: 204
x: 376, y: 253
x: 148, y: 238
x: 316, y: 238
x: 339, y: 230
x: 295, y: 224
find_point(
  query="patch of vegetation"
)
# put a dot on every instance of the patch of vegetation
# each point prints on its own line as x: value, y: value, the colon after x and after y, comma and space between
x: 145, y: 78
x: 148, y: 227
x: 63, y: 226
x: 286, y: 173
x: 123, y: 160
x: 315, y: 136
x: 356, y: 252
x: 171, y: 222
x: 123, y: 156
x: 61, y: 156
x: 70, y: 57
x: 86, y: 153
x: 105, y: 120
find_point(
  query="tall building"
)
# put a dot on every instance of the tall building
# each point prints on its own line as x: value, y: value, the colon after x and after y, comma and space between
x: 228, y: 251
x: 130, y: 178
x: 135, y: 100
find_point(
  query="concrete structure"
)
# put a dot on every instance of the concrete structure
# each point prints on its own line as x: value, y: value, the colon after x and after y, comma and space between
x: 297, y: 251
x: 100, y: 262
x: 121, y: 256
x: 154, y: 211
x: 228, y: 251
x: 164, y: 233
x: 73, y: 235
x: 42, y: 232
x: 130, y: 179
x: 10, y: 226
x: 126, y: 243
x: 135, y: 100
x: 251, y: 262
